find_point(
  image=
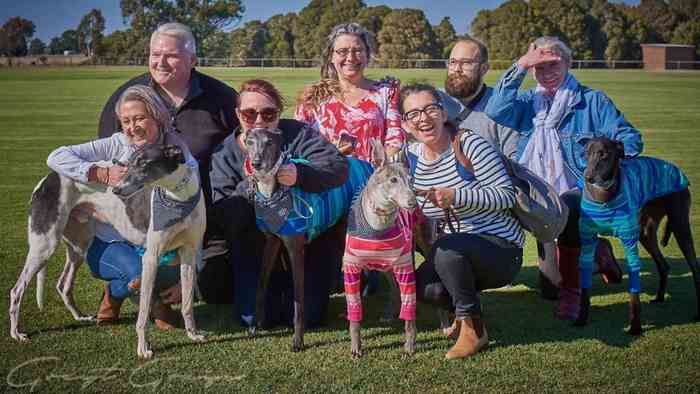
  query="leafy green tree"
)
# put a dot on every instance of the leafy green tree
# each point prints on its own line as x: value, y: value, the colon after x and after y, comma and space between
x: 68, y: 41
x: 570, y: 21
x: 305, y: 44
x: 688, y: 33
x: 406, y: 34
x: 281, y: 44
x: 90, y: 32
x: 372, y: 18
x: 37, y: 47
x: 17, y: 32
x: 125, y: 47
x: 216, y: 45
x: 249, y: 42
x: 509, y: 29
x: 202, y: 16
x: 616, y: 39
x: 660, y: 17
x: 445, y: 35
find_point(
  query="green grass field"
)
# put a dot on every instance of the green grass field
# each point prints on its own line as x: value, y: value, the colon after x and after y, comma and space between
x: 530, y: 351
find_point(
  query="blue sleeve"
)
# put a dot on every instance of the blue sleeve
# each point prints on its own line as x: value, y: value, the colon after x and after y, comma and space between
x: 613, y: 124
x: 633, y: 264
x: 508, y: 108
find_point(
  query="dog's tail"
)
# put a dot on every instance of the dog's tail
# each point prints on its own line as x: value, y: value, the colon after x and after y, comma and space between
x: 667, y: 234
x: 40, y: 280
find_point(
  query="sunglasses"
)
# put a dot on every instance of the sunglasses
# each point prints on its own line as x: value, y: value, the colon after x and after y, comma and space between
x: 250, y: 115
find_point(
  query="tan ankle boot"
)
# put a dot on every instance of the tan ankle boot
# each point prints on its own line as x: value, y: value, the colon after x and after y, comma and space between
x: 163, y: 317
x: 108, y: 312
x: 472, y: 338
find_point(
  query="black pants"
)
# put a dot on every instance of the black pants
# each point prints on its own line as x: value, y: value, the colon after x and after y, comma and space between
x: 570, y: 236
x: 461, y: 265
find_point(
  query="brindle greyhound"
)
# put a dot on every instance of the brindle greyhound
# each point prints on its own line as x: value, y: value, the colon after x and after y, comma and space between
x: 602, y: 184
x: 127, y: 208
x: 379, y: 207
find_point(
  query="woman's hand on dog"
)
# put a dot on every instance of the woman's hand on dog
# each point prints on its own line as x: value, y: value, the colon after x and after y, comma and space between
x: 287, y: 175
x: 110, y: 176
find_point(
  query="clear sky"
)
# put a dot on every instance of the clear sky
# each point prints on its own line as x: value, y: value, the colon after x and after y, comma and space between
x: 53, y: 17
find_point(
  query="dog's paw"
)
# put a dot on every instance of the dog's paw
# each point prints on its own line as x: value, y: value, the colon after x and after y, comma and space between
x: 356, y: 354
x: 635, y: 330
x: 252, y: 331
x: 409, y: 350
x: 88, y: 318
x: 20, y: 336
x: 144, y: 352
x: 197, y: 335
x: 297, y: 344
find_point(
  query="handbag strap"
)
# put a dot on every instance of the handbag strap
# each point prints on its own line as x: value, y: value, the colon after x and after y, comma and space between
x: 459, y: 155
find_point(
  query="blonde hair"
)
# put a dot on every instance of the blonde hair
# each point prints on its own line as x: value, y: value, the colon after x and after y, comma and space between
x: 155, y: 107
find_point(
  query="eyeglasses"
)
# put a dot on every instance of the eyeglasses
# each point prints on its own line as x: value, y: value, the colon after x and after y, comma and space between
x: 464, y: 64
x: 343, y: 52
x: 433, y: 111
x: 250, y: 115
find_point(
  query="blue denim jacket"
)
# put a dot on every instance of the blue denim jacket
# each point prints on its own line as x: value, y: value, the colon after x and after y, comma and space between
x: 592, y: 114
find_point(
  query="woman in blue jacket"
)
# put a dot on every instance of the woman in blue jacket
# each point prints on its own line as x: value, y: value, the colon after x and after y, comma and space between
x: 556, y: 119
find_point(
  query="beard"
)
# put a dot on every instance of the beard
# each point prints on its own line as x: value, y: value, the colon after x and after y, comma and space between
x: 462, y: 86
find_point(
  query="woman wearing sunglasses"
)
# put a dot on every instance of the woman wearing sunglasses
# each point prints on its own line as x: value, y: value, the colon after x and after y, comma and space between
x: 260, y: 105
x: 347, y: 108
x: 482, y: 245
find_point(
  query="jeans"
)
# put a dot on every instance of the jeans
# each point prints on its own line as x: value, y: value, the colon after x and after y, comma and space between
x: 119, y: 263
x: 461, y: 265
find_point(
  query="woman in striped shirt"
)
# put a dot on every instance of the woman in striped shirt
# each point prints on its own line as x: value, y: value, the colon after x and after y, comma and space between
x: 482, y: 249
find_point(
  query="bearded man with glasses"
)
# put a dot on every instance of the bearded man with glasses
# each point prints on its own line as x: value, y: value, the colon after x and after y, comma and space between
x: 466, y: 95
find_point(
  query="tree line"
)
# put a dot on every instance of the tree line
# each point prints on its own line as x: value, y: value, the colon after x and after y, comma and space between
x: 594, y: 29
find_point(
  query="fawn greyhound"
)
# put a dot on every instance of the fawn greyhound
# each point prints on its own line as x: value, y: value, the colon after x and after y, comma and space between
x: 292, y: 215
x: 380, y: 237
x: 627, y: 199
x: 155, y: 172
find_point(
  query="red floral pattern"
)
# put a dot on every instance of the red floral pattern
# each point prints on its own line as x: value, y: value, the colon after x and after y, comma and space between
x: 376, y: 116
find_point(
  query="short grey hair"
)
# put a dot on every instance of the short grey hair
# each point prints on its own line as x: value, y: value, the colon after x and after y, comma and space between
x: 557, y: 45
x: 181, y: 32
x: 155, y: 107
x: 354, y: 29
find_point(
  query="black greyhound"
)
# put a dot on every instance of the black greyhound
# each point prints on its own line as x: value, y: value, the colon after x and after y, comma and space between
x: 602, y: 183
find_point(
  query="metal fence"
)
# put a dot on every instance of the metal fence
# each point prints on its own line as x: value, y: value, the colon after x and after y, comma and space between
x: 312, y: 63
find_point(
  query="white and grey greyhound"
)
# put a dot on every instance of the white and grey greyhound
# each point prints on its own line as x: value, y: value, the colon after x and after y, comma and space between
x: 129, y: 208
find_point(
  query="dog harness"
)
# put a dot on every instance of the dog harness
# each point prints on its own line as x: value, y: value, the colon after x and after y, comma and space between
x: 642, y: 179
x: 291, y: 210
x: 385, y: 250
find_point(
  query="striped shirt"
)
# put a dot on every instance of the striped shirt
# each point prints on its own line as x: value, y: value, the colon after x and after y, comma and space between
x: 481, y: 203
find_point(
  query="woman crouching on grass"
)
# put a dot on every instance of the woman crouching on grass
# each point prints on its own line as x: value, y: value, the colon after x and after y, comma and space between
x: 144, y: 120
x: 482, y: 249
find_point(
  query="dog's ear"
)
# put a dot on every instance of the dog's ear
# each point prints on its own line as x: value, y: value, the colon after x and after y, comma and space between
x: 379, y: 158
x: 174, y: 152
x: 620, y: 150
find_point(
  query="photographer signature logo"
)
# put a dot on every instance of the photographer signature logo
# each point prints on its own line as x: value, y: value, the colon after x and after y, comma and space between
x: 152, y: 374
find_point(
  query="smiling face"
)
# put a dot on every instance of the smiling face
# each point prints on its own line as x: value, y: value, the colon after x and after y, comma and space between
x: 257, y: 111
x: 170, y: 64
x: 550, y: 75
x: 424, y: 118
x: 138, y: 126
x: 349, y: 56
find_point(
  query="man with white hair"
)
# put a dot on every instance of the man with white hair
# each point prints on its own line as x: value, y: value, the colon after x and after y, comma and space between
x: 467, y: 94
x: 202, y: 113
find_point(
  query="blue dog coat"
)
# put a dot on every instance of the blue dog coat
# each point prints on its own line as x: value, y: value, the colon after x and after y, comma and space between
x: 642, y: 180
x: 311, y: 213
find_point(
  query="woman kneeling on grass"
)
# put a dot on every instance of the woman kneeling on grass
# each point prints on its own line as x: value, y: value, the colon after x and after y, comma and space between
x: 144, y: 120
x: 482, y: 249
